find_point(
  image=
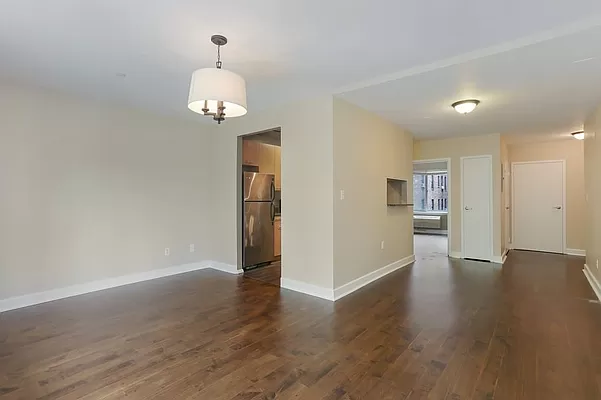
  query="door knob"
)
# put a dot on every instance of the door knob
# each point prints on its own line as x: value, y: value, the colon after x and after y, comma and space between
x: 557, y: 207
x: 467, y: 208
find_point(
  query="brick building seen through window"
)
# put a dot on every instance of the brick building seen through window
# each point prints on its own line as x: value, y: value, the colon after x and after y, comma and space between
x: 430, y: 191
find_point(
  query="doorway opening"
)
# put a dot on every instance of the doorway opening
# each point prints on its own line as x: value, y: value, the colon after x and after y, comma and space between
x: 432, y: 207
x: 260, y: 206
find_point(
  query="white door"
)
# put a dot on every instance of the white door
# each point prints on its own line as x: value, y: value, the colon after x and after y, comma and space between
x: 538, y: 192
x: 476, y: 183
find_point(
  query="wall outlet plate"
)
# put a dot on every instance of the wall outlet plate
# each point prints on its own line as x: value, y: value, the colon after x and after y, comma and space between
x: 192, y: 248
x: 167, y: 251
x: 382, y: 245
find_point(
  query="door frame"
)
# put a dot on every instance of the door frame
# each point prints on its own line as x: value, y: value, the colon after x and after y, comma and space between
x: 564, y: 196
x: 491, y: 200
x: 450, y: 197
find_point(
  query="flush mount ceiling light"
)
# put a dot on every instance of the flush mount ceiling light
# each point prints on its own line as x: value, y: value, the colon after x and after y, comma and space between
x: 578, y: 135
x: 217, y: 92
x: 465, y: 106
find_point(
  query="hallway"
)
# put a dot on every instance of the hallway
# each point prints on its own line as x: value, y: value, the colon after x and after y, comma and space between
x: 441, y: 329
x: 430, y: 245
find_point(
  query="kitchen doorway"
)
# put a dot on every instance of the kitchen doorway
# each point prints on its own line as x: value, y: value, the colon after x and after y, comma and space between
x: 431, y: 208
x: 260, y: 206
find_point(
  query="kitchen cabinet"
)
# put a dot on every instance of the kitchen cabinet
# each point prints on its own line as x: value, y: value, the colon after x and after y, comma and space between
x: 250, y: 152
x: 266, y: 156
x: 277, y: 170
x: 277, y: 237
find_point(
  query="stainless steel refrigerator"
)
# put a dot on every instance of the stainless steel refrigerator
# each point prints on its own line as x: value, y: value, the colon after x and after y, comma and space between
x: 259, y: 214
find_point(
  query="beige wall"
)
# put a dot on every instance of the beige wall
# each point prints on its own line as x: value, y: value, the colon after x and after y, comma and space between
x: 454, y: 149
x: 572, y: 151
x: 367, y: 150
x: 91, y: 191
x: 592, y: 168
x: 505, y: 195
x: 307, y: 176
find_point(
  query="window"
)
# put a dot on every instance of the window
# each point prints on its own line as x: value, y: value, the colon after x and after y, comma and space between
x: 428, y: 196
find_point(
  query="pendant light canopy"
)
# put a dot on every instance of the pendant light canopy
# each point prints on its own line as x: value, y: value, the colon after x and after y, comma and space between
x: 217, y: 92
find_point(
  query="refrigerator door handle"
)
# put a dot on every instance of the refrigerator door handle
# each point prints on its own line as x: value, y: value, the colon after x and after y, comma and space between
x: 272, y: 191
x: 272, y: 212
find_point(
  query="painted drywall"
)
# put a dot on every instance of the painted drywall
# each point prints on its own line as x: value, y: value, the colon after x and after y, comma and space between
x: 592, y: 173
x: 430, y: 167
x: 307, y: 176
x: 505, y: 195
x: 454, y: 149
x: 367, y: 150
x: 91, y: 191
x: 572, y: 151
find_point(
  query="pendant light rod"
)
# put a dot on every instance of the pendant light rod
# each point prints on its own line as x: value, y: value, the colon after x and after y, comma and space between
x: 218, y: 40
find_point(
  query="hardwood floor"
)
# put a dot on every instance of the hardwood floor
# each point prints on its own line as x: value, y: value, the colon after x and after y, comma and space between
x: 436, y: 330
x: 270, y: 274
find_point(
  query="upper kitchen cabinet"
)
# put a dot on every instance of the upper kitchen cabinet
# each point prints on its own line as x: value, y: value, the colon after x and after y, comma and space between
x: 277, y: 167
x: 250, y: 152
x: 266, y: 158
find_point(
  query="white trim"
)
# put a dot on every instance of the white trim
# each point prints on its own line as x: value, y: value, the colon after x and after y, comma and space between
x: 592, y: 281
x: 306, y: 288
x: 347, y: 288
x: 366, y: 279
x: 576, y: 252
x: 564, y: 250
x: 491, y: 201
x: 229, y: 268
x: 449, y: 212
x: 455, y: 254
x: 500, y: 259
x: 75, y: 290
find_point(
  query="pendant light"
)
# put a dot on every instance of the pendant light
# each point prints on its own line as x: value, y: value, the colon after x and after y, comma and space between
x: 217, y: 92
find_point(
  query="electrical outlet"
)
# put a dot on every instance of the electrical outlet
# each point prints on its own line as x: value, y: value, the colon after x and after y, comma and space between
x: 382, y: 245
x: 192, y: 248
x: 597, y: 263
x: 342, y: 195
x: 167, y: 251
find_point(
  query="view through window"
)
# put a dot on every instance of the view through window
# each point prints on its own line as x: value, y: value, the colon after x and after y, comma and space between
x: 430, y: 191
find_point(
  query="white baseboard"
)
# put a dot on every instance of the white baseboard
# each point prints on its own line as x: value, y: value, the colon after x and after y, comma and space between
x: 75, y: 290
x: 364, y: 280
x: 455, y: 254
x: 576, y: 252
x: 592, y: 281
x: 306, y: 288
x: 229, y: 268
x: 504, y: 256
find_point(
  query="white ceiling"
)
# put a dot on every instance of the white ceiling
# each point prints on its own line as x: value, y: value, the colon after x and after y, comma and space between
x: 407, y: 60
